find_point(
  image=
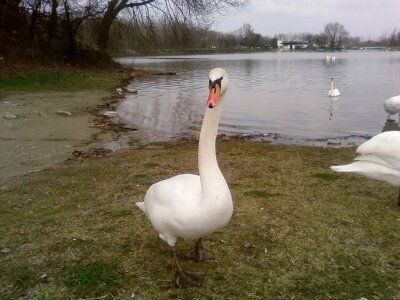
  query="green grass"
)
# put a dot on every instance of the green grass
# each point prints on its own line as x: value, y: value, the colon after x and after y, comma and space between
x: 257, y: 193
x: 58, y: 80
x: 299, y: 231
x: 21, y: 277
x: 327, y: 176
x: 93, y: 279
x: 121, y: 213
x: 151, y: 164
x: 141, y: 179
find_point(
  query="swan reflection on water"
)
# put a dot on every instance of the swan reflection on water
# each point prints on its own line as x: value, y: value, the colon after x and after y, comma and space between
x: 332, y: 106
x: 391, y: 125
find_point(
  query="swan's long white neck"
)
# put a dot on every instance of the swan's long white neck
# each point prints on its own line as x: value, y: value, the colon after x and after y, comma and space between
x: 332, y: 84
x: 212, y: 181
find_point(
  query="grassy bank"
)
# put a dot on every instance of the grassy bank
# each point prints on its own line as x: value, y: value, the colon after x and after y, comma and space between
x: 299, y: 231
x: 61, y: 79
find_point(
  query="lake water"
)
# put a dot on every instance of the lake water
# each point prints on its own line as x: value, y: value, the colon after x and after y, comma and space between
x: 282, y: 94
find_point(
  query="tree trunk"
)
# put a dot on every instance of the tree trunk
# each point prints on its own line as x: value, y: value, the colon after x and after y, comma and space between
x: 104, y: 31
x: 53, y: 19
x: 109, y: 16
x: 35, y: 15
x: 113, y: 9
x: 3, y: 13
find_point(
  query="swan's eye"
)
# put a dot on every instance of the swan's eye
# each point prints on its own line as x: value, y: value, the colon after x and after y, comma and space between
x: 212, y: 84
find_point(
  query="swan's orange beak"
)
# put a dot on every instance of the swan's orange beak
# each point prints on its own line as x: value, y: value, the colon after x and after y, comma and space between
x: 213, y: 97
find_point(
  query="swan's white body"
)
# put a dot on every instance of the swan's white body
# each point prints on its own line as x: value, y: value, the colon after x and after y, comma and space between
x: 333, y: 92
x: 392, y: 105
x: 379, y: 159
x: 191, y: 206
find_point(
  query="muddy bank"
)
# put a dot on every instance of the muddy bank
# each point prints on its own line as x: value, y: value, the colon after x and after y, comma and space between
x: 41, y: 129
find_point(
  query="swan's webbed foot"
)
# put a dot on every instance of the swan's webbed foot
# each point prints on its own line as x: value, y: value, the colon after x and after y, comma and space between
x: 184, y: 279
x: 199, y: 253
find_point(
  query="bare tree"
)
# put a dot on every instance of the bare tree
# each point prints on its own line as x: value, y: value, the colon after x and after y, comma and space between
x: 393, y: 39
x: 175, y: 11
x: 336, y: 34
x: 320, y: 40
x: 75, y: 12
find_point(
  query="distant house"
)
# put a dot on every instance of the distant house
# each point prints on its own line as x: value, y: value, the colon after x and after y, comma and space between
x: 292, y: 45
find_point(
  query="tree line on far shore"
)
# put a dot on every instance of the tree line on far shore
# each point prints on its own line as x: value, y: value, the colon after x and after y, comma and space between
x: 130, y: 39
x: 89, y: 30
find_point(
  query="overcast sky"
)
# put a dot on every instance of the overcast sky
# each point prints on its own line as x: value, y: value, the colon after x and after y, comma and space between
x: 364, y: 18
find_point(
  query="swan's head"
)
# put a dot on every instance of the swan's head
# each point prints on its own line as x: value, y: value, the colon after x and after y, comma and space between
x: 218, y: 84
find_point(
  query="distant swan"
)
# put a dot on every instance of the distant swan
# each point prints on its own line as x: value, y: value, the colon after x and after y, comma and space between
x: 392, y: 105
x: 333, y: 92
x: 379, y: 159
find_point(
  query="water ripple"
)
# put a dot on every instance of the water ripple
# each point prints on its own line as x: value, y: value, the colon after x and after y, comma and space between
x: 269, y: 92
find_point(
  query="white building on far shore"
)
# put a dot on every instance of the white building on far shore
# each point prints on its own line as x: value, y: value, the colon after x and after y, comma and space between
x: 291, y: 45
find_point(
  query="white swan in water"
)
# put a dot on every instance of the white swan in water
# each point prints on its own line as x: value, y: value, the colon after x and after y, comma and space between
x: 392, y: 105
x: 333, y: 92
x: 192, y: 206
x: 379, y: 159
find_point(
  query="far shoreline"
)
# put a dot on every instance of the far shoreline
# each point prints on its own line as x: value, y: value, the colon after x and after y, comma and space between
x: 169, y: 52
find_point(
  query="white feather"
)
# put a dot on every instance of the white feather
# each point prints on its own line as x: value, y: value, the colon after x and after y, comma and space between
x: 191, y: 206
x: 392, y: 105
x: 379, y: 159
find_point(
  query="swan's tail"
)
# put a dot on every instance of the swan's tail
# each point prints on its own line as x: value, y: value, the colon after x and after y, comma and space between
x: 350, y: 168
x: 141, y: 206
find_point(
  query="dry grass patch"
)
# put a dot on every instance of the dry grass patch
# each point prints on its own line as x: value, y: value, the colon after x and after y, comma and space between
x: 298, y: 230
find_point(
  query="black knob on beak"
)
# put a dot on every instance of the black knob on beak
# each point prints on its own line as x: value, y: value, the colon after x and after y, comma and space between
x: 210, y: 105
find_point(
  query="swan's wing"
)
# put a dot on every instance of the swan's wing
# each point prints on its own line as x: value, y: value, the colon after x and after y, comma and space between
x: 388, y: 161
x: 177, y: 190
x: 386, y: 144
x: 171, y: 202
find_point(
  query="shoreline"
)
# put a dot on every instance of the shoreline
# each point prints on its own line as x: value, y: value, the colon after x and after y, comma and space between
x: 112, y: 134
x: 115, y: 125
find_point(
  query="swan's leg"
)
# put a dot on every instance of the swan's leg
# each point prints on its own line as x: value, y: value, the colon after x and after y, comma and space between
x: 199, y: 253
x: 182, y: 278
x: 398, y: 198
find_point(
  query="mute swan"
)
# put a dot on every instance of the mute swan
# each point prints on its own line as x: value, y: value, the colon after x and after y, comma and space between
x: 379, y: 159
x: 333, y: 92
x: 192, y: 206
x: 392, y: 105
